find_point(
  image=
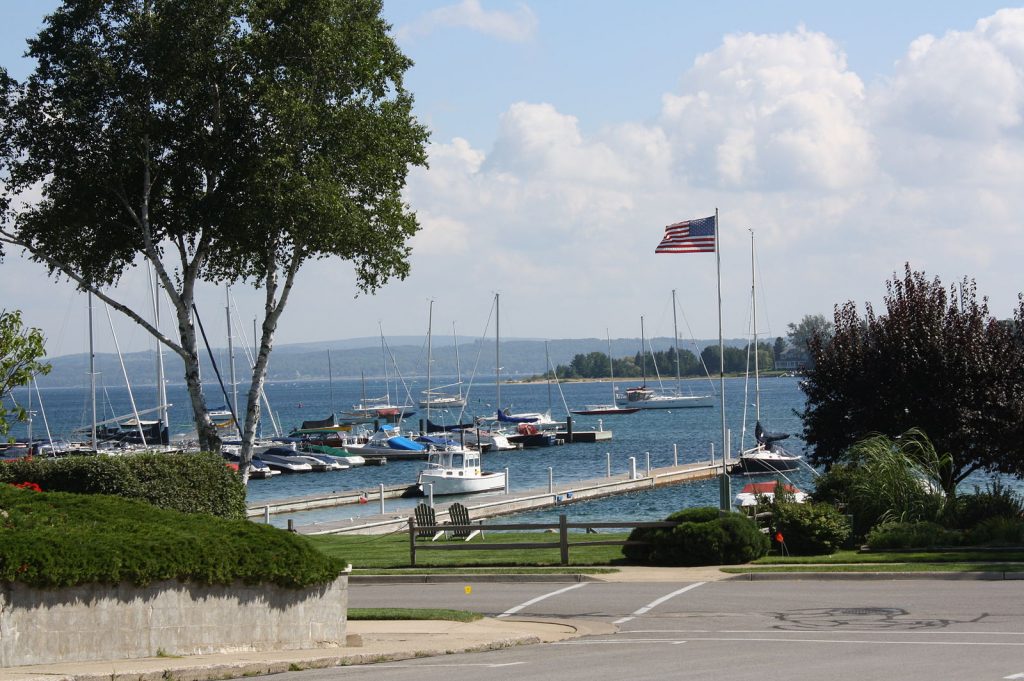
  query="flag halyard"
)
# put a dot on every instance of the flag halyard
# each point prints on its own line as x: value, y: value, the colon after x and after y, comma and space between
x: 689, y: 236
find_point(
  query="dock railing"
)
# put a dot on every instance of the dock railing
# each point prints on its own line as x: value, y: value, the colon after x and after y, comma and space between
x: 562, y: 544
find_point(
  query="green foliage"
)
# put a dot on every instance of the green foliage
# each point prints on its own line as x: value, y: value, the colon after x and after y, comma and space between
x: 995, y: 501
x: 912, y: 535
x: 57, y: 539
x: 936, y: 360
x: 191, y: 483
x: 702, y: 537
x: 881, y: 479
x: 810, y: 529
x: 997, y: 531
x: 20, y: 352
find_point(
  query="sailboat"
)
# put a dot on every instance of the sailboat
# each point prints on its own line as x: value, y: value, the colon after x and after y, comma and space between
x: 612, y: 408
x: 765, y: 456
x: 643, y: 397
x: 433, y: 397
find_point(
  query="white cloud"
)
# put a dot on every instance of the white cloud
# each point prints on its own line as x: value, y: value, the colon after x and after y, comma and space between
x: 517, y: 26
x: 771, y: 112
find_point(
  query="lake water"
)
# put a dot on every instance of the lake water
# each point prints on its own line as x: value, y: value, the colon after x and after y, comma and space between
x: 693, y: 431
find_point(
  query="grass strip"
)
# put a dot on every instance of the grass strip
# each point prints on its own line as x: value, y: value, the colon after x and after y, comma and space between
x: 879, y: 567
x: 882, y: 557
x: 413, y: 614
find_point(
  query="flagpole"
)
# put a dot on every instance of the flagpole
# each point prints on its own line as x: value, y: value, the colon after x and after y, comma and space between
x: 724, y: 492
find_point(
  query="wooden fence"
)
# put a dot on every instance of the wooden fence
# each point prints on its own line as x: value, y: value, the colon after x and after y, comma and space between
x: 562, y: 544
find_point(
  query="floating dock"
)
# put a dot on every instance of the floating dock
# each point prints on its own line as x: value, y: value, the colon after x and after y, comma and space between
x: 484, y: 506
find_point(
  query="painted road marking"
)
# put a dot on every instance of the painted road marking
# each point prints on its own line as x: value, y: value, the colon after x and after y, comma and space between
x: 538, y: 599
x: 656, y: 603
x: 1015, y: 676
x: 427, y: 664
x: 844, y: 632
x: 995, y: 644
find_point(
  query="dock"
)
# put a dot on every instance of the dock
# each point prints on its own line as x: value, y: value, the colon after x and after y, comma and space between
x: 487, y: 506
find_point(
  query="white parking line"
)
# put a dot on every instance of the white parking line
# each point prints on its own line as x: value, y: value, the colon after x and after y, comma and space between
x: 512, y: 611
x: 656, y: 603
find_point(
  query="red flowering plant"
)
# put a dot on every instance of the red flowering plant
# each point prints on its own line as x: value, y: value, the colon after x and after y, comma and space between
x: 30, y: 486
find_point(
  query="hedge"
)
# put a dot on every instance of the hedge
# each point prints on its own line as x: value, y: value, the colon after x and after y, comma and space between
x: 810, y: 529
x: 191, y: 483
x: 702, y: 537
x: 58, y: 539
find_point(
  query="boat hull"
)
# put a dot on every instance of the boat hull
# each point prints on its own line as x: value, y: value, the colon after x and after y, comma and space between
x: 671, y: 402
x: 766, y: 462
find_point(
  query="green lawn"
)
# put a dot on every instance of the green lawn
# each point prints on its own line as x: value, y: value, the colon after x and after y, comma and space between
x: 876, y: 557
x: 391, y: 552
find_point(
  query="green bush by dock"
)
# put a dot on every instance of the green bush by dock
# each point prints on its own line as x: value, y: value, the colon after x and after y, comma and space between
x: 60, y: 539
x: 191, y: 483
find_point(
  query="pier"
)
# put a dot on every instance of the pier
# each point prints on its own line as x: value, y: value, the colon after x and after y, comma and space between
x: 484, y: 506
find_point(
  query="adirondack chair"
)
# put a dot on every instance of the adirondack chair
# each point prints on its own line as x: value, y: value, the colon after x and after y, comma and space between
x: 459, y: 515
x: 426, y: 521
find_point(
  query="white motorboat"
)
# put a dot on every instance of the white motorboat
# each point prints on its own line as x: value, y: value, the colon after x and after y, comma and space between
x: 457, y: 471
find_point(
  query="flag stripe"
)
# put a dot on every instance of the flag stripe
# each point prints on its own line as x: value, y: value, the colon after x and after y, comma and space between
x: 689, y: 236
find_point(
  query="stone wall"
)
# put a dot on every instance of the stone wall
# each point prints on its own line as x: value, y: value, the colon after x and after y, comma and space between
x: 102, y: 622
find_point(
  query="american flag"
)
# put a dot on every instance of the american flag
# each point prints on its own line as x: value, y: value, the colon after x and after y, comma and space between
x: 689, y: 236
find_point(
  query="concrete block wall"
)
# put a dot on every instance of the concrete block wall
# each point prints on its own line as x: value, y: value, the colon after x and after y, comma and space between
x: 103, y: 622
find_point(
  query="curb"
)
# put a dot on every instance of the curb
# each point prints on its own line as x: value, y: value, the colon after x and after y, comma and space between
x: 875, y: 576
x: 461, y: 578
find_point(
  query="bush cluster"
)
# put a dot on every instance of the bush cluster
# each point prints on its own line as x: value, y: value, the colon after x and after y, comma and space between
x: 57, y: 539
x: 701, y: 537
x: 912, y: 535
x: 810, y: 529
x: 192, y: 483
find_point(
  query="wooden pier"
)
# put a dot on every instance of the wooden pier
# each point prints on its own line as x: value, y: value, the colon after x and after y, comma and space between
x: 486, y: 506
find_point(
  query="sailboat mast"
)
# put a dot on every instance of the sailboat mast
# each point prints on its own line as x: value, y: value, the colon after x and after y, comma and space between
x: 430, y: 324
x: 231, y: 349
x: 384, y: 358
x: 458, y: 365
x: 92, y: 376
x: 675, y: 336
x: 753, y: 299
x: 643, y: 352
x: 497, y: 347
x: 330, y: 384
x: 161, y: 383
x: 611, y: 364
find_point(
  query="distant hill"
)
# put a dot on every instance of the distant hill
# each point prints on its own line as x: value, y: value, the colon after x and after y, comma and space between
x: 349, y: 358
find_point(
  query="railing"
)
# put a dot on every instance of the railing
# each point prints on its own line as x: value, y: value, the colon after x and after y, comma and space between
x: 563, y: 544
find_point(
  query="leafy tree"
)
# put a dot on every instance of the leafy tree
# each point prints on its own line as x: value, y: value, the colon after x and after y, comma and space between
x: 936, y: 361
x: 778, y: 348
x: 799, y: 335
x: 215, y: 140
x: 20, y: 352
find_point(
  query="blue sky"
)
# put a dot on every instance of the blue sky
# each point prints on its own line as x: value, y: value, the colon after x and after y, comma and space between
x: 565, y: 134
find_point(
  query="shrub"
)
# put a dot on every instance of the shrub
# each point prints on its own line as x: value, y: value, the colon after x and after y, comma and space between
x: 192, y: 483
x: 702, y: 537
x: 997, y: 531
x: 995, y: 501
x: 913, y: 535
x: 57, y: 539
x: 810, y: 529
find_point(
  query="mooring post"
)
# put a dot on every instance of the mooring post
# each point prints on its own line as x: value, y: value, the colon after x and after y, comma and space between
x: 551, y: 480
x: 632, y: 468
x: 563, y: 538
x: 266, y: 515
x: 568, y: 429
x: 675, y: 455
x: 291, y: 525
x: 430, y: 488
x: 412, y: 541
x: 506, y: 481
x: 382, y: 498
x: 648, y: 463
x: 608, y: 455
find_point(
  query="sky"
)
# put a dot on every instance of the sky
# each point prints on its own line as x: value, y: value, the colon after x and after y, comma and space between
x: 852, y: 138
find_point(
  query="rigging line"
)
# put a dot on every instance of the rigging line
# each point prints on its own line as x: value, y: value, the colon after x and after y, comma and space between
x: 250, y: 357
x: 120, y: 358
x: 42, y: 410
x: 697, y: 349
x: 479, y: 354
x: 216, y: 371
x: 398, y: 373
x: 558, y: 385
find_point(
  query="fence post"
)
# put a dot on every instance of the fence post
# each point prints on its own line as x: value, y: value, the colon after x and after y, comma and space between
x: 551, y: 480
x: 608, y: 455
x: 412, y: 541
x: 563, y: 538
x: 382, y: 498
x: 266, y: 515
x: 291, y: 525
x: 632, y: 468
